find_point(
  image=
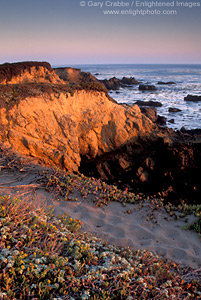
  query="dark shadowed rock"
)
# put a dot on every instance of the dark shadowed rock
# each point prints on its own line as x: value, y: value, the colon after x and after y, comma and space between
x: 174, y: 109
x: 171, y: 121
x: 150, y: 113
x: 112, y: 83
x: 115, y: 83
x: 161, y: 120
x: 192, y: 98
x: 167, y: 163
x: 129, y: 81
x: 192, y: 132
x: 168, y: 82
x: 148, y: 103
x: 147, y: 87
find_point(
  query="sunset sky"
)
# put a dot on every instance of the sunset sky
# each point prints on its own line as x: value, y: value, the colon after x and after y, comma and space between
x: 66, y: 32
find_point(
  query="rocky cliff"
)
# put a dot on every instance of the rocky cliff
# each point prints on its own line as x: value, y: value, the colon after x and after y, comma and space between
x: 28, y: 72
x: 58, y: 127
x: 65, y: 118
x: 165, y: 163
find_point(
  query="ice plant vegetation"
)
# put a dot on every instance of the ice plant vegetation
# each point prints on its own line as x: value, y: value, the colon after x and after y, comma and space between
x: 44, y: 257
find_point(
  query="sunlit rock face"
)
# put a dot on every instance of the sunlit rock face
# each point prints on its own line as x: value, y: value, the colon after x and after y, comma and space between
x: 60, y: 128
x: 28, y: 72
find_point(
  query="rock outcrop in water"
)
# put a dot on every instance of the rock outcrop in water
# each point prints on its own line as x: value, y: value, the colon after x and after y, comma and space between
x: 149, y: 103
x: 192, y: 98
x: 147, y: 87
x: 115, y: 83
x: 166, y: 82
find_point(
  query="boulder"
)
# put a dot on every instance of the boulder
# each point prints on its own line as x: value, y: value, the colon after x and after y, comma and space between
x: 115, y: 83
x: 161, y: 120
x: 174, y: 109
x: 192, y: 98
x: 148, y: 103
x: 147, y: 87
x: 129, y: 81
x: 166, y: 83
x: 150, y: 113
x: 112, y: 83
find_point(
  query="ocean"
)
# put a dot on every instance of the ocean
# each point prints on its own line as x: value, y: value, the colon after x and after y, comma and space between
x: 187, y: 79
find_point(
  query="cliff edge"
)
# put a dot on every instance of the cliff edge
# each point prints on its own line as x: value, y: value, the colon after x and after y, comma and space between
x: 42, y: 116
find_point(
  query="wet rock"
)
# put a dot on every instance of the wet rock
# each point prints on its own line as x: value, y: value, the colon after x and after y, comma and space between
x: 150, y: 113
x: 148, y: 103
x: 161, y: 120
x: 129, y: 81
x: 147, y: 87
x: 174, y: 109
x: 167, y: 83
x: 171, y: 121
x: 192, y: 98
x: 115, y: 83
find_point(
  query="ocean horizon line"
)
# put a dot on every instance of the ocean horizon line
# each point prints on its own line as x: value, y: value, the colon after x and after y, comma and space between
x: 126, y: 64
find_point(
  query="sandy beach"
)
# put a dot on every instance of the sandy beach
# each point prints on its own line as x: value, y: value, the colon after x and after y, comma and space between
x: 139, y: 227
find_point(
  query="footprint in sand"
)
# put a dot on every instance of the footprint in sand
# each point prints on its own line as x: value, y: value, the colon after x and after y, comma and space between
x: 177, y: 254
x: 141, y: 234
x: 172, y: 233
x: 114, y: 231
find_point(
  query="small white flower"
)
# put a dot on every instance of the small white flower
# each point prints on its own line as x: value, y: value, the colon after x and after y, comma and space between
x: 165, y: 292
x: 61, y: 279
x: 33, y: 286
x: 140, y: 279
x: 85, y: 296
x: 3, y: 259
x: 5, y: 252
x: 77, y: 265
